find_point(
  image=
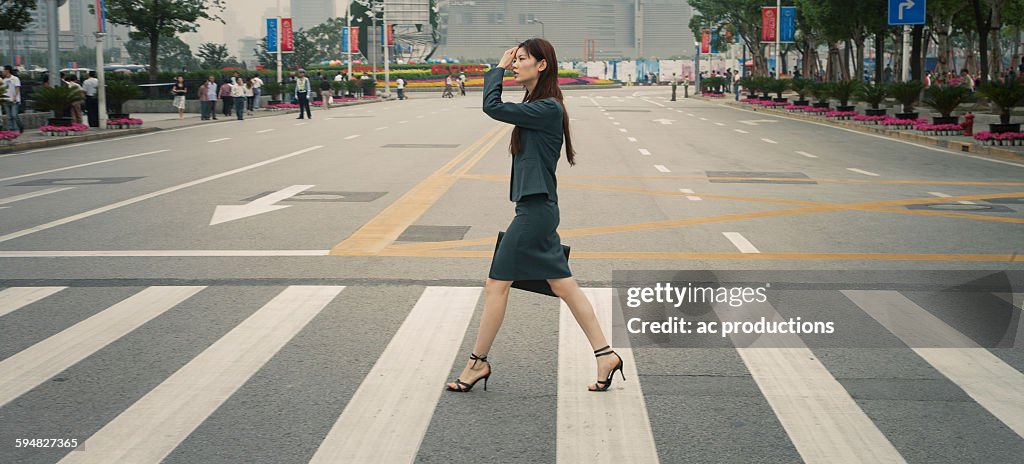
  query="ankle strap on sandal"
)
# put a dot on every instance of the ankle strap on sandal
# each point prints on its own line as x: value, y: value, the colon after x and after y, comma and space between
x: 597, y: 351
x: 476, y: 358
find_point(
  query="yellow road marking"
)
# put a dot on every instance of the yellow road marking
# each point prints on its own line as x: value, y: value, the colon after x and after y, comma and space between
x: 822, y: 180
x: 385, y: 228
x: 670, y: 256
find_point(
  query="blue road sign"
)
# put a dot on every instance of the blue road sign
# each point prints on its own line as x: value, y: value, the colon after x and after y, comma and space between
x: 906, y: 12
x: 272, y: 35
x: 787, y: 24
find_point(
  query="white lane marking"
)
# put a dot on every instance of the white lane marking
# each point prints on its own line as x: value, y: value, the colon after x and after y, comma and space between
x: 611, y: 118
x: 703, y: 119
x: 596, y: 427
x: 387, y: 417
x: 631, y: 139
x: 861, y: 171
x: 691, y: 197
x: 264, y: 204
x: 103, y: 209
x: 995, y: 385
x: 40, y: 362
x: 940, y: 150
x: 804, y: 153
x: 419, y: 117
x: 644, y: 151
x: 301, y: 123
x: 719, y: 124
x: 741, y: 131
x: 158, y: 422
x: 402, y: 122
x: 264, y: 131
x: 689, y: 114
x: 757, y: 122
x: 623, y: 130
x: 37, y: 193
x: 741, y: 242
x: 351, y: 137
x: 769, y: 141
x: 381, y: 128
x: 155, y: 253
x: 943, y: 195
x: 221, y: 140
x: 824, y: 423
x: 661, y: 168
x: 82, y: 165
x: 616, y: 123
x: 112, y: 139
x: 15, y: 298
x: 654, y: 102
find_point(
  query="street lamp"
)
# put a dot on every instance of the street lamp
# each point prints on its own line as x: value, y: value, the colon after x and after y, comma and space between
x: 531, y: 21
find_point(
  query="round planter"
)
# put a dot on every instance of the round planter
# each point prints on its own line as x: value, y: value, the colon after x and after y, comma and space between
x: 846, y: 108
x: 906, y: 115
x: 821, y: 105
x: 118, y: 116
x: 875, y: 111
x: 949, y: 120
x: 781, y: 100
x: 802, y: 103
x: 60, y: 122
x: 1003, y: 128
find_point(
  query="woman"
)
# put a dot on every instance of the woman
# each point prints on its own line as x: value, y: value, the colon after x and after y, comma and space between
x: 238, y: 95
x: 226, y: 98
x: 179, y: 91
x: 250, y: 94
x: 531, y: 248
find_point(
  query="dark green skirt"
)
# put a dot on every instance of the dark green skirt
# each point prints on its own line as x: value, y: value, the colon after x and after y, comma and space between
x: 531, y: 248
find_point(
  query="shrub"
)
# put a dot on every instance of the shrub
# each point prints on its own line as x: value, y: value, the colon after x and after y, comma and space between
x: 872, y: 94
x: 906, y: 93
x: 1005, y: 95
x: 945, y: 98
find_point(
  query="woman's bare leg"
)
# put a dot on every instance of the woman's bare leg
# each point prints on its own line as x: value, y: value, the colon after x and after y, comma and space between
x: 569, y: 291
x: 495, y: 303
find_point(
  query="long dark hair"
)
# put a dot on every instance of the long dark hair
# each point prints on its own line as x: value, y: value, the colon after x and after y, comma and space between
x: 547, y: 87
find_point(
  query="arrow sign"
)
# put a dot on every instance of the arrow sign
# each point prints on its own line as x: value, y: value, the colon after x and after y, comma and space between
x: 667, y: 122
x: 757, y: 122
x: 906, y: 12
x: 225, y: 213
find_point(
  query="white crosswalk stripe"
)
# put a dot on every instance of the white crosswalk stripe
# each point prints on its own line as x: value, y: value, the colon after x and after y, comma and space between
x: 16, y: 298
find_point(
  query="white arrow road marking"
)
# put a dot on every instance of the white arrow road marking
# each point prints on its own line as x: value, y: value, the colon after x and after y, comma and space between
x: 664, y: 121
x: 757, y: 122
x: 225, y: 213
x: 37, y: 193
x: 740, y: 242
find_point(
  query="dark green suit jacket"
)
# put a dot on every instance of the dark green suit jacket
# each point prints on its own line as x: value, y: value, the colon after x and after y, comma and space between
x: 533, y: 169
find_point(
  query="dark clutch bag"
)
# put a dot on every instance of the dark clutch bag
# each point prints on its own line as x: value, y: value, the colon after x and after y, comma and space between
x: 535, y: 286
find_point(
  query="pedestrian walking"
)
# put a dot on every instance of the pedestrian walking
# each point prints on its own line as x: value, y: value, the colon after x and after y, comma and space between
x: 531, y: 248
x: 250, y: 95
x: 225, y: 96
x: 257, y: 92
x: 238, y: 96
x: 91, y: 86
x: 325, y: 93
x: 462, y: 84
x: 302, y: 89
x: 208, y: 99
x: 448, y: 88
x: 401, y: 88
x: 12, y: 100
x: 179, y: 91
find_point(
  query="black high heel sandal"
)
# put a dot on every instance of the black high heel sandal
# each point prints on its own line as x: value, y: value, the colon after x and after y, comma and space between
x: 603, y: 385
x: 464, y: 387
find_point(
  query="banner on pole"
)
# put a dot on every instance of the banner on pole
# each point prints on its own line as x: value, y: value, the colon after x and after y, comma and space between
x: 101, y: 15
x: 768, y: 23
x: 345, y: 46
x: 787, y: 24
x: 287, y: 40
x: 272, y: 35
x: 390, y: 31
x: 354, y: 37
x: 705, y: 41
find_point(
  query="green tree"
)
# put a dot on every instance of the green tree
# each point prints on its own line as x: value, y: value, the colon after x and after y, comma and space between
x: 326, y: 38
x: 174, y: 54
x: 214, y: 56
x: 153, y: 20
x: 305, y: 52
x: 16, y: 15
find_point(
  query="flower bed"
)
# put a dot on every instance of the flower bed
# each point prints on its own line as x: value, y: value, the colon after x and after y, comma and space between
x: 901, y: 124
x: 752, y: 101
x: 772, y: 104
x: 123, y: 123
x: 7, y: 137
x: 871, y: 120
x: 841, y: 115
x: 1015, y: 139
x: 816, y: 110
x: 940, y: 129
x: 60, y: 131
x: 795, y: 108
x: 713, y: 94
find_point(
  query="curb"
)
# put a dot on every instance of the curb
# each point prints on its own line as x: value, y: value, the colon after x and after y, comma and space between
x: 70, y: 140
x: 954, y: 145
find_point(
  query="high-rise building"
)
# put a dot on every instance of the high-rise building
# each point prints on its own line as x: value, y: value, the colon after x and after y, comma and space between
x: 307, y: 14
x: 84, y: 25
x: 482, y: 29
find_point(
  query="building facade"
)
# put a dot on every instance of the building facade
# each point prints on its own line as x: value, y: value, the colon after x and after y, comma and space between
x: 307, y: 14
x: 482, y: 29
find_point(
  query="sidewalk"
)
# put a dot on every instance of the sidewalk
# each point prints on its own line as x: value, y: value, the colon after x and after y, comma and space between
x: 152, y: 122
x: 962, y: 144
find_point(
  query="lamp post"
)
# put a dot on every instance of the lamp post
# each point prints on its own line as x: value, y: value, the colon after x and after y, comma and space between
x: 696, y: 68
x: 535, y: 20
x: 348, y: 46
x: 277, y: 37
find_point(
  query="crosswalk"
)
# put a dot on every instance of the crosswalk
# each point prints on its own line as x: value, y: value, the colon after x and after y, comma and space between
x: 397, y: 402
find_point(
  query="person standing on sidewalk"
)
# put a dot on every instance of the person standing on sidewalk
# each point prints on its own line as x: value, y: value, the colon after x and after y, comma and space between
x: 401, y: 88
x: 76, y: 107
x: 257, y: 92
x: 462, y: 84
x: 250, y: 95
x: 208, y: 99
x: 179, y: 91
x: 448, y: 88
x: 302, y: 89
x: 531, y: 248
x: 13, y: 101
x: 225, y: 96
x: 238, y: 96
x: 92, y: 103
x: 325, y: 93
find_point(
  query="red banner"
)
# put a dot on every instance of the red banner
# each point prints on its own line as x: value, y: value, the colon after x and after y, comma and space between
x: 705, y: 41
x: 354, y: 39
x: 391, y: 34
x: 287, y: 40
x: 769, y: 21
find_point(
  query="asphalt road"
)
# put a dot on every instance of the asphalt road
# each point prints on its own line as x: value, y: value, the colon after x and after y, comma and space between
x: 277, y: 291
